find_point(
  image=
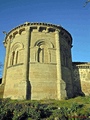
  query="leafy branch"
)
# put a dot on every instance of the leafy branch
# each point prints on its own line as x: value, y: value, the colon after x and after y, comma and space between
x: 86, y: 3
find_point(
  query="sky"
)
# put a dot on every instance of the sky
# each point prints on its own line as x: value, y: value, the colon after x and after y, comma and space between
x: 70, y: 14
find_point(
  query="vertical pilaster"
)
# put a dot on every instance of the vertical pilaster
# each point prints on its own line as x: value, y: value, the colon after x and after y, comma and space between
x: 26, y: 63
x: 6, y: 61
x: 24, y: 83
x: 61, y: 92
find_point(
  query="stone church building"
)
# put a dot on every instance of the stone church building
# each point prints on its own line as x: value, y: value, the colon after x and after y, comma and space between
x: 38, y: 64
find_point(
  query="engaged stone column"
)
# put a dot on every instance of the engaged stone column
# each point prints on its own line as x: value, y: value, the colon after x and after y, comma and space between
x: 6, y: 60
x: 61, y: 92
x: 27, y: 53
x: 24, y: 83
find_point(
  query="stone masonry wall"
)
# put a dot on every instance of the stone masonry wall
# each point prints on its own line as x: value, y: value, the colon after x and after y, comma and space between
x: 82, y: 79
x: 38, y: 62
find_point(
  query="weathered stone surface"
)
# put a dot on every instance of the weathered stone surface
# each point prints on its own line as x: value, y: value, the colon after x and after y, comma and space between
x: 81, y: 78
x: 38, y: 63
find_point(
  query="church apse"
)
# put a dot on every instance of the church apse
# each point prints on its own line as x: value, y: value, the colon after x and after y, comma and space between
x: 38, y: 62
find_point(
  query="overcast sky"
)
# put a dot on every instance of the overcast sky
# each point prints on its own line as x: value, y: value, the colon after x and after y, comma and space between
x: 70, y: 14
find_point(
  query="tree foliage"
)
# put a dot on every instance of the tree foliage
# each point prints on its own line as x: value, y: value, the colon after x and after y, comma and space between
x: 86, y: 2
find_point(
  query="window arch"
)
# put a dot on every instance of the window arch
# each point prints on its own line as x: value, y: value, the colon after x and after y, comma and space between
x: 15, y: 53
x: 43, y: 52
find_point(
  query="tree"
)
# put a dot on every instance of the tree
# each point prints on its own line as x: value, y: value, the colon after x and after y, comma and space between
x: 86, y: 2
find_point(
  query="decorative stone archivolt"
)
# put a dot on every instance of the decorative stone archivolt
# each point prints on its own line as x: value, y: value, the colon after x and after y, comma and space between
x: 43, y: 51
x: 14, y: 53
x: 17, y: 46
x: 44, y: 42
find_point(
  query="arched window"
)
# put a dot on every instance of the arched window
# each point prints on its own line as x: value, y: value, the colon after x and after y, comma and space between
x: 13, y: 56
x: 16, y: 57
x: 43, y: 49
x: 43, y: 55
x: 40, y: 55
x: 15, y: 53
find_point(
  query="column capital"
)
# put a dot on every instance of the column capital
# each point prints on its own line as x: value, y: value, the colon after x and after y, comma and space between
x: 27, y: 28
x: 57, y: 31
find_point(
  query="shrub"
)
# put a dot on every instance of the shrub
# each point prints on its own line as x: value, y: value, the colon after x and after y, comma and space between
x: 71, y: 109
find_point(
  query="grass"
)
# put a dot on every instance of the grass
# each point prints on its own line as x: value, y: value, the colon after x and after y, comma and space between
x: 72, y: 109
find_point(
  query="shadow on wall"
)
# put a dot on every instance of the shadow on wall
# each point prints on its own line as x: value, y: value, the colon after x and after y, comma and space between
x: 76, y: 80
x: 28, y: 90
x: 1, y: 88
x: 66, y: 76
x: 0, y: 80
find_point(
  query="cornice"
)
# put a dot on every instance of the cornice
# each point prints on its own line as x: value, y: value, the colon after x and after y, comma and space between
x: 36, y: 24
